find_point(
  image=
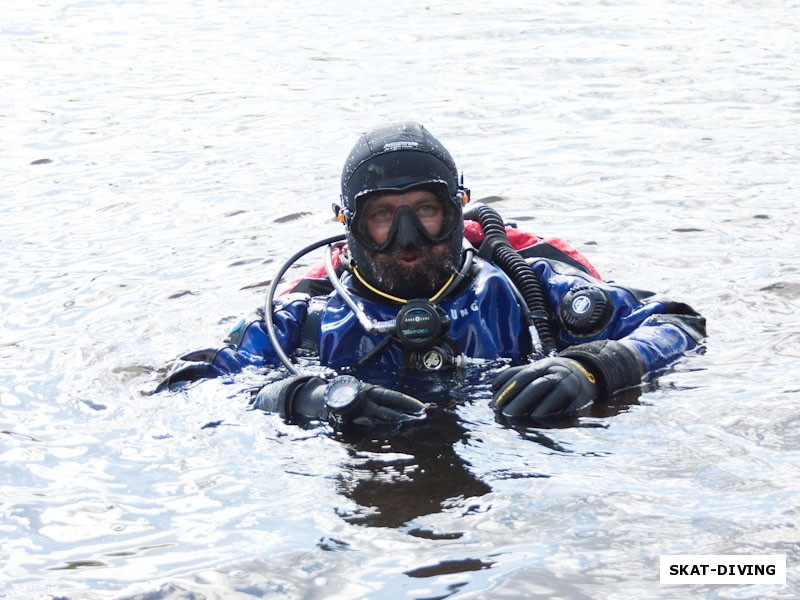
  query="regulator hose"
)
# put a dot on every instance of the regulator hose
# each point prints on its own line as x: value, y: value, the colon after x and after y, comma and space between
x: 269, y: 303
x: 519, y: 271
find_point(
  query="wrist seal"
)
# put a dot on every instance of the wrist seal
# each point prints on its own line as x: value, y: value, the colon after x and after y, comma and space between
x: 279, y: 397
x: 614, y: 364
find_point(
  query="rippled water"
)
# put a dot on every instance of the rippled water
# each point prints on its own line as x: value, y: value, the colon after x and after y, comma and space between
x: 161, y: 160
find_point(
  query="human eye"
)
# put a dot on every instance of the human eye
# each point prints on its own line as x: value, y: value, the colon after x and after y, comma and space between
x: 428, y: 209
x: 380, y: 214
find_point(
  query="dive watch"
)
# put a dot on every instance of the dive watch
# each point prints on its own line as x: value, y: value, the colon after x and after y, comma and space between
x: 342, y: 398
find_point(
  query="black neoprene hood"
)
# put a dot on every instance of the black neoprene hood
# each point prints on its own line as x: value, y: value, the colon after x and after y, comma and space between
x: 397, y: 158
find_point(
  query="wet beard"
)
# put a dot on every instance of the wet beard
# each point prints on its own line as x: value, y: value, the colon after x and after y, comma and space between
x: 419, y: 280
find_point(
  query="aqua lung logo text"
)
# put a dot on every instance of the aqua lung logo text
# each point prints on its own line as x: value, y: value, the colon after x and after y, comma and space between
x: 463, y: 312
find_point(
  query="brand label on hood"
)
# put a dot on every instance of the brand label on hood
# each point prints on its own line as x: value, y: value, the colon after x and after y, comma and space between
x: 400, y: 145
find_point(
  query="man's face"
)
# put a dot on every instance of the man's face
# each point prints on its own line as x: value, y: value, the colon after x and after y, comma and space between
x: 408, y: 272
x: 380, y: 211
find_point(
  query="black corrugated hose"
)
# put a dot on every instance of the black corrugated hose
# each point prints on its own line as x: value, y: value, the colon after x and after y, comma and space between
x: 518, y: 270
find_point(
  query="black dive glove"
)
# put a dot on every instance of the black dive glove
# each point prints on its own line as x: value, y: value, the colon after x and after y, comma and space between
x: 343, y: 401
x: 549, y: 387
x: 562, y: 385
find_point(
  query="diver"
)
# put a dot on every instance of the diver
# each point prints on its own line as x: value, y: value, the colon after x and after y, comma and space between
x: 421, y: 284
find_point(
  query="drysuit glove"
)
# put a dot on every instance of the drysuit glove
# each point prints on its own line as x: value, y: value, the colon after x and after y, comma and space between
x: 303, y: 397
x: 564, y: 384
x: 549, y: 387
x: 201, y: 364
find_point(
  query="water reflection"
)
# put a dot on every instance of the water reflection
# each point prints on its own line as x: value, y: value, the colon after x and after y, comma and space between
x: 418, y: 470
x: 414, y: 473
x: 598, y: 411
x: 620, y: 403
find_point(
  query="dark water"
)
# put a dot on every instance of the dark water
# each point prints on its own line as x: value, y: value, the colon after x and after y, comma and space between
x: 162, y: 159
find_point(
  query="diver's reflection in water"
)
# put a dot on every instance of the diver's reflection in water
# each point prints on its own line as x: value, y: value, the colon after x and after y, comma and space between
x: 412, y: 473
x: 417, y: 471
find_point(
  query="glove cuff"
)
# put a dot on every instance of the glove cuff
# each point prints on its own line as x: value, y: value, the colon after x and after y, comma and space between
x: 614, y: 364
x: 279, y: 397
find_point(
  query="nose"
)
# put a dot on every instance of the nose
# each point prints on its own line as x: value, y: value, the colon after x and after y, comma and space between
x: 409, y: 233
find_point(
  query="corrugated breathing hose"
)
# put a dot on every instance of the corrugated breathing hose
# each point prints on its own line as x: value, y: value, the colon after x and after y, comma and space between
x: 519, y: 271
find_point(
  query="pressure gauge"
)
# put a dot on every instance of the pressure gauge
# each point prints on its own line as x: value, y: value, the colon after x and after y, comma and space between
x: 342, y: 396
x: 586, y: 310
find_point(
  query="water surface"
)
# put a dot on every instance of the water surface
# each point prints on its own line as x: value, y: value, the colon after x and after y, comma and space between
x: 162, y: 159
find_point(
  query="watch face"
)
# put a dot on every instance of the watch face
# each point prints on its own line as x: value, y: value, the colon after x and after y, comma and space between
x: 342, y: 392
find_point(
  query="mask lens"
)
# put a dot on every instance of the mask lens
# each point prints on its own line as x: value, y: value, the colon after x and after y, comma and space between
x: 378, y: 222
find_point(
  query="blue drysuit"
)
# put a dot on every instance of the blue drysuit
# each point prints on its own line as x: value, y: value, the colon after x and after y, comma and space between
x: 486, y: 322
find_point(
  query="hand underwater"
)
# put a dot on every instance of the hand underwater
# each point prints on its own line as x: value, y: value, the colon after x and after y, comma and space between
x: 549, y: 387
